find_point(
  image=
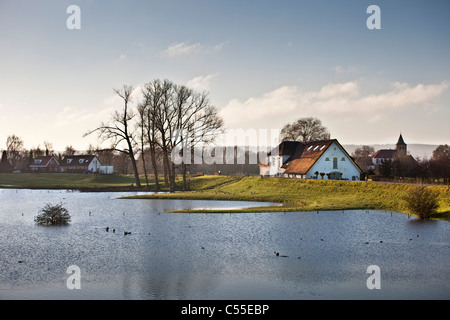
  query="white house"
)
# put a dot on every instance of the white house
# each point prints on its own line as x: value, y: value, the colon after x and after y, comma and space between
x: 80, y: 164
x: 44, y: 164
x: 277, y: 158
x: 325, y: 159
x: 106, y: 169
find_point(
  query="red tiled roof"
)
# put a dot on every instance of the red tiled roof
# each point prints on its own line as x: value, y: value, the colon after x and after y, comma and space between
x: 385, y: 154
x: 312, y: 151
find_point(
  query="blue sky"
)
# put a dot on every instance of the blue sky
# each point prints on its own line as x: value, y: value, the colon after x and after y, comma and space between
x: 264, y: 64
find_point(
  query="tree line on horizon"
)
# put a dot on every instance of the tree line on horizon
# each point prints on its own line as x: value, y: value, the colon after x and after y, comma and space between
x: 140, y: 140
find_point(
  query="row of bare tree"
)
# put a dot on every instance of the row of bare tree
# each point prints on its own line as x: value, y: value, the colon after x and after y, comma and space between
x: 167, y: 117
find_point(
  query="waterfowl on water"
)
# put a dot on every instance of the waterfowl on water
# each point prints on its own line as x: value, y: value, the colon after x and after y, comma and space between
x: 126, y: 232
x: 278, y: 255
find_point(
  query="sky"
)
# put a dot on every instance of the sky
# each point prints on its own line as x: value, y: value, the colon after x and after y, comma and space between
x: 264, y: 64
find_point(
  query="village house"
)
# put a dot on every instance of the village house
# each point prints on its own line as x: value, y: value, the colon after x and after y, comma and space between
x: 384, y: 159
x: 385, y: 155
x: 80, y: 164
x: 44, y: 164
x: 325, y: 159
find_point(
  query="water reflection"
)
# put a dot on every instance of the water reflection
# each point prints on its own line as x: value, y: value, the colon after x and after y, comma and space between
x: 214, y: 256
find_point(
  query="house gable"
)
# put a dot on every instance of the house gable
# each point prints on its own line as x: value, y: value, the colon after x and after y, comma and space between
x: 328, y: 157
x: 336, y: 163
x: 43, y: 162
x: 80, y: 163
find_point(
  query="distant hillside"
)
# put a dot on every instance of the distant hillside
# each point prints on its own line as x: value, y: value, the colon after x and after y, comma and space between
x: 416, y: 150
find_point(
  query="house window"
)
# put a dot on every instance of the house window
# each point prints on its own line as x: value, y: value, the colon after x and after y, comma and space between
x: 335, y: 163
x: 37, y: 161
x: 327, y: 159
x: 343, y: 159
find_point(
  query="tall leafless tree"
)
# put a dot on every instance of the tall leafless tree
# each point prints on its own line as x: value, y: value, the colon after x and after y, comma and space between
x: 176, y: 115
x: 15, y: 150
x: 121, y: 131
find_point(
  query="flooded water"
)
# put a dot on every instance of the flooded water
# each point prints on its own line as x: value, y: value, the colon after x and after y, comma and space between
x: 214, y: 256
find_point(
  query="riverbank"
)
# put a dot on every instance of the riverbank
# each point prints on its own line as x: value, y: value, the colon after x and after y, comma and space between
x: 295, y: 194
x: 303, y: 195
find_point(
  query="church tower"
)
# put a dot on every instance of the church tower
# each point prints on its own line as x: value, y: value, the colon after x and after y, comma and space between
x: 401, y: 147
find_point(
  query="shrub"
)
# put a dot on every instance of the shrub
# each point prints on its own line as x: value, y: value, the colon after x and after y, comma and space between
x: 53, y: 215
x: 422, y: 201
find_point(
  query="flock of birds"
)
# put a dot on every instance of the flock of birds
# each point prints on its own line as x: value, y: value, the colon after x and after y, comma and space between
x: 114, y: 230
x: 321, y: 239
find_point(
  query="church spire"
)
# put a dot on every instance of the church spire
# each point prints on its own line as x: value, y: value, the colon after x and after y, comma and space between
x: 400, y: 140
x: 401, y: 147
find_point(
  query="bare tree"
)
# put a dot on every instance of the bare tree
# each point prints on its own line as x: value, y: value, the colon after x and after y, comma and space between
x: 197, y: 121
x: 362, y: 157
x: 69, y: 151
x: 15, y: 150
x: 305, y: 130
x: 48, y: 148
x: 363, y: 152
x: 440, y: 162
x: 121, y: 132
x: 176, y: 115
x: 142, y: 137
x: 151, y: 119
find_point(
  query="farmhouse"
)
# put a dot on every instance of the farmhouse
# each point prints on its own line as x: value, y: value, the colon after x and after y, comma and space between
x: 44, y: 164
x: 324, y: 159
x: 80, y: 164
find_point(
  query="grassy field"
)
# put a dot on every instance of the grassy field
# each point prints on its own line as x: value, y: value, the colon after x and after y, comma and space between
x: 296, y: 194
x: 64, y: 181
x: 305, y: 195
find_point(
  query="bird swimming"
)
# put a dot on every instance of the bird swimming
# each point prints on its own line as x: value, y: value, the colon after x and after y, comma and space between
x: 278, y: 254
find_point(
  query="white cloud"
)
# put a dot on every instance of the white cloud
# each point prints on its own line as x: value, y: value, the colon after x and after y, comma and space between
x: 330, y: 91
x: 183, y: 48
x: 278, y: 107
x: 345, y: 70
x: 201, y: 83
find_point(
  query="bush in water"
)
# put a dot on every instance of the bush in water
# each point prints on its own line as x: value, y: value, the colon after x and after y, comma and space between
x: 53, y: 215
